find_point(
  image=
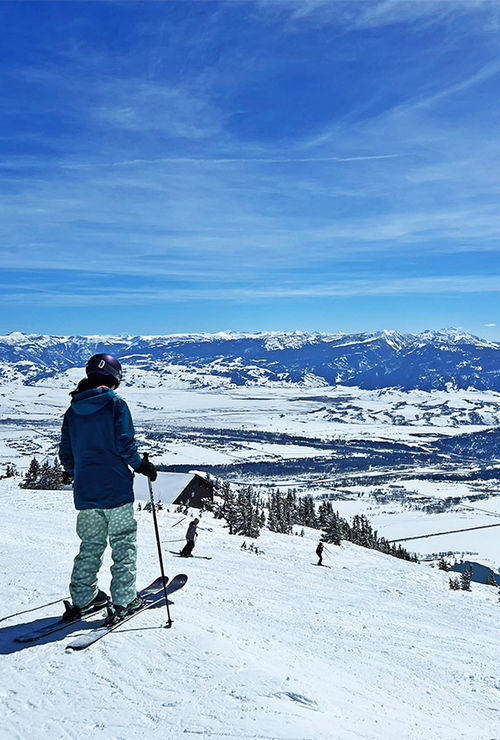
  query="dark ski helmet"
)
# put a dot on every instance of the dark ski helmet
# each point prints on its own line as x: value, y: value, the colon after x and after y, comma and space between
x: 104, y: 365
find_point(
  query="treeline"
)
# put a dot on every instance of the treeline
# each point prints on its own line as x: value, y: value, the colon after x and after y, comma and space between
x: 46, y: 476
x: 245, y: 513
x: 361, y: 532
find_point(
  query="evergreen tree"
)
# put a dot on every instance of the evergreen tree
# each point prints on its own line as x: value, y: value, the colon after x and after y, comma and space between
x: 354, y: 534
x: 490, y: 579
x: 10, y: 471
x: 325, y: 511
x: 32, y: 476
x: 465, y: 579
x: 272, y: 523
x: 224, y: 507
x: 246, y: 513
x: 454, y: 584
x: 230, y: 511
x: 45, y: 476
x: 288, y: 512
x: 280, y: 517
x: 384, y: 546
x: 305, y: 512
x: 362, y: 532
x: 291, y: 506
x: 333, y: 530
x: 56, y: 475
x: 310, y: 510
x: 443, y: 565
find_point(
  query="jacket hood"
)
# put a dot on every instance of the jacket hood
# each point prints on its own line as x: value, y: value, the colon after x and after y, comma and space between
x: 89, y: 402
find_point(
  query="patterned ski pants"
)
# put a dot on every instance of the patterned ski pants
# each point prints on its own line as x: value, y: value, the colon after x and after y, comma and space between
x: 94, y: 527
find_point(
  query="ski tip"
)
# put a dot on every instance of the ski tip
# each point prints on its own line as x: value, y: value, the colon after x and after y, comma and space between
x: 179, y: 579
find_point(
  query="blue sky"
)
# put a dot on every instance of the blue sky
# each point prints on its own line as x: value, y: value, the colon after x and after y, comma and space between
x: 277, y: 164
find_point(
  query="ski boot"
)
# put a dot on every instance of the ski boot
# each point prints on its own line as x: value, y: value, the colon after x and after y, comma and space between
x: 73, y: 612
x: 118, y: 613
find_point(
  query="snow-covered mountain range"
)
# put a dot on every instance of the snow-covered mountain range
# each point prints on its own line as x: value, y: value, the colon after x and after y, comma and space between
x: 431, y: 360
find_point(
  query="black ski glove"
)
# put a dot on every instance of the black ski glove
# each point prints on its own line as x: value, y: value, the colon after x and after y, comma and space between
x: 67, y: 478
x: 148, y: 469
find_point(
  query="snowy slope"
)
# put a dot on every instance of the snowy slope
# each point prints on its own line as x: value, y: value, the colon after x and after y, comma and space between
x: 263, y: 646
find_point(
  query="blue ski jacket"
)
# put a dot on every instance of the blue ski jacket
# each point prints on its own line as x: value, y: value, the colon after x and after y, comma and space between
x: 97, y: 446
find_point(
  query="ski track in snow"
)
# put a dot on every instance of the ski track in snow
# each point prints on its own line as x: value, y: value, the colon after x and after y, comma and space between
x: 262, y: 646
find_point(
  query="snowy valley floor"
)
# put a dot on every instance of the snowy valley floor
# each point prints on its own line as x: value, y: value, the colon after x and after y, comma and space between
x: 263, y: 646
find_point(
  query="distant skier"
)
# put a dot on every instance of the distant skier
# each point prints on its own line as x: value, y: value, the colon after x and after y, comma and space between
x: 191, y: 536
x: 319, y: 553
x: 97, y: 447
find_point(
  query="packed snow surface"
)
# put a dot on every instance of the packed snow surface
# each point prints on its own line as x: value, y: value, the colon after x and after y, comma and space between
x: 263, y: 646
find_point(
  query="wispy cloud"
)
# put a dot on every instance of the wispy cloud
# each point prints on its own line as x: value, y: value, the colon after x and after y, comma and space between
x: 486, y: 72
x: 387, y: 12
x: 227, y: 160
x: 112, y: 294
x: 368, y: 14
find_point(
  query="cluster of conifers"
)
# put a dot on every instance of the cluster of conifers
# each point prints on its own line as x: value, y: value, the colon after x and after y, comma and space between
x: 46, y: 476
x: 246, y: 511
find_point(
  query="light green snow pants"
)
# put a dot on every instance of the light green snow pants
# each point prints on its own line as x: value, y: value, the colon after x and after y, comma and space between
x: 94, y: 527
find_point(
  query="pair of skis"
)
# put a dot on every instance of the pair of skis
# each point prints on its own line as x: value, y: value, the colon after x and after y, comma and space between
x: 152, y: 595
x: 200, y: 557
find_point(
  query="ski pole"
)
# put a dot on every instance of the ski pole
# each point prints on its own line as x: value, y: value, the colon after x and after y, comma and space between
x: 176, y: 523
x: 158, y: 544
x: 33, y: 609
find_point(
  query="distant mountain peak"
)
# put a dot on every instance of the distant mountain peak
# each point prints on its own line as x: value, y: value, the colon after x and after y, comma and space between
x: 442, y: 359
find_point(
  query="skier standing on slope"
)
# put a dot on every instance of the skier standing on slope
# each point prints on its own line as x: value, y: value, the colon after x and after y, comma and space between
x: 319, y: 553
x: 97, y: 447
x: 191, y: 536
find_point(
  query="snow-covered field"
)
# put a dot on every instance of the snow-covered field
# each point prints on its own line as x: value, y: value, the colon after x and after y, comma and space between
x: 263, y: 646
x: 323, y: 411
x: 31, y: 417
